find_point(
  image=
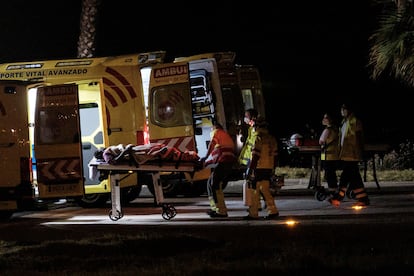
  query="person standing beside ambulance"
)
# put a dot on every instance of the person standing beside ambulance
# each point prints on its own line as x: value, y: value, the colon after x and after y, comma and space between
x: 220, y: 157
x: 250, y: 116
x: 260, y: 157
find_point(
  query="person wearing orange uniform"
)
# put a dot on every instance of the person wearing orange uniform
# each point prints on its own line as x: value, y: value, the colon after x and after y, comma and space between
x: 220, y: 158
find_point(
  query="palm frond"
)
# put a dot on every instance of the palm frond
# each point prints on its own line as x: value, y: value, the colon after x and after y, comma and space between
x: 392, y: 49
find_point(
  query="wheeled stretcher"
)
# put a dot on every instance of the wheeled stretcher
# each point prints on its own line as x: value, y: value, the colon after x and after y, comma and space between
x: 168, y: 210
x: 152, y: 158
x: 370, y: 150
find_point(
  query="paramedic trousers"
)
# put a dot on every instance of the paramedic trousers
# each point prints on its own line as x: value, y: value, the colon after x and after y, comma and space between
x: 351, y: 179
x: 261, y: 187
x: 215, y: 182
x: 330, y: 168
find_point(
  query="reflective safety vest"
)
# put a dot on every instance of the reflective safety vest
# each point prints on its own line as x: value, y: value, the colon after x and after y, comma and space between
x: 262, y: 144
x: 352, y: 137
x: 265, y: 147
x: 246, y: 152
x: 223, y: 147
x: 330, y: 150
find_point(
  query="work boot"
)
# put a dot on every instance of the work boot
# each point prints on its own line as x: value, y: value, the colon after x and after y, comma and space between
x: 272, y: 216
x: 214, y: 214
x: 362, y: 202
x: 334, y: 202
x: 248, y: 217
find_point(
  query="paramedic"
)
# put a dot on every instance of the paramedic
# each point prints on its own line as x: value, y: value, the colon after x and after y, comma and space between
x: 329, y: 142
x: 261, y: 158
x: 351, y: 149
x: 250, y: 116
x: 220, y: 158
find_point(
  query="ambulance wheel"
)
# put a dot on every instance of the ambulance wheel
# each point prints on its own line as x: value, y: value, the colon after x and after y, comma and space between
x: 117, y: 216
x: 168, y: 211
x: 320, y: 195
x: 197, y: 188
x: 169, y: 188
x: 129, y: 194
x: 93, y: 200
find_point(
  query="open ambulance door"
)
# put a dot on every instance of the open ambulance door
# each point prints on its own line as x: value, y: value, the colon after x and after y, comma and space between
x: 170, y: 118
x: 184, y: 101
x: 57, y: 142
x: 15, y: 182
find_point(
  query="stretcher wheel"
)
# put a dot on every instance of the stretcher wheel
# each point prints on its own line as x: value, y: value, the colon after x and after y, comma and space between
x: 320, y: 195
x: 117, y: 216
x: 168, y: 211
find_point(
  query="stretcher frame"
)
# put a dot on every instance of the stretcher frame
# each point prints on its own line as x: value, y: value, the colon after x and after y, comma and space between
x: 369, y: 152
x: 114, y: 170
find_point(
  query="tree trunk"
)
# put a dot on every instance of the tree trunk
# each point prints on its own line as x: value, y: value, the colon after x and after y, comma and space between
x: 88, y: 24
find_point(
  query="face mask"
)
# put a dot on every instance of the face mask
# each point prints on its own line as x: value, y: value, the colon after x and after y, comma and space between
x: 246, y: 120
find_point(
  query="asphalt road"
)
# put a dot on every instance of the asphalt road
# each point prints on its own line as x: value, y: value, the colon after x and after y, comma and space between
x: 309, y: 233
x: 296, y: 210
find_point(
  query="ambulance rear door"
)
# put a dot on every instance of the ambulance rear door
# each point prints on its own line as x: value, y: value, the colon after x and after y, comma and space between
x: 57, y: 142
x: 14, y: 146
x: 170, y: 118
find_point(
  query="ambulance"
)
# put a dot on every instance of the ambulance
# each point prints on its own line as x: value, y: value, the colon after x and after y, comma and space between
x: 55, y: 114
x: 184, y: 100
x: 250, y: 83
x: 200, y: 90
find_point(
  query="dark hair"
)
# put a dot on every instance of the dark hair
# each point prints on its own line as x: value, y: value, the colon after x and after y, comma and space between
x: 346, y: 106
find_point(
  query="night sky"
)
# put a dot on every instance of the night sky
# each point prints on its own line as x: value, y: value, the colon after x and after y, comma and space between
x: 312, y: 55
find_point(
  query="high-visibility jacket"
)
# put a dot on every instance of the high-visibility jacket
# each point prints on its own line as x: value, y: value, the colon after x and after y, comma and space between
x: 265, y: 149
x: 246, y: 151
x: 352, y: 139
x: 222, y: 147
x: 330, y: 149
x: 261, y: 146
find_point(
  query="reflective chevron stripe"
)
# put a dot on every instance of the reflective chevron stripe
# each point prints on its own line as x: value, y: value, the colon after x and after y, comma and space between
x: 58, y: 170
x: 181, y: 143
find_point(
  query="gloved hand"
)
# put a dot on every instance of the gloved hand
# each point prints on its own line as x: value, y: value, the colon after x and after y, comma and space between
x: 203, y: 160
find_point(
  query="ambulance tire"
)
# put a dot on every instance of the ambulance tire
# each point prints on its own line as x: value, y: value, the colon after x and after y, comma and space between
x: 129, y: 194
x: 170, y: 188
x: 197, y: 188
x: 93, y: 200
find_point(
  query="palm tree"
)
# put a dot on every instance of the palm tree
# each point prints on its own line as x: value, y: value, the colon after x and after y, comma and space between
x: 88, y: 24
x: 392, y: 49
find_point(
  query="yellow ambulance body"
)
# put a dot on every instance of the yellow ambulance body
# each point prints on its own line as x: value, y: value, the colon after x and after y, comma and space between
x: 111, y: 110
x: 16, y: 177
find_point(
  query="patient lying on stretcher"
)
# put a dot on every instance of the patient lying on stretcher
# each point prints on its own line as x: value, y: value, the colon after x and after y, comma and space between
x: 140, y: 154
x: 136, y: 155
